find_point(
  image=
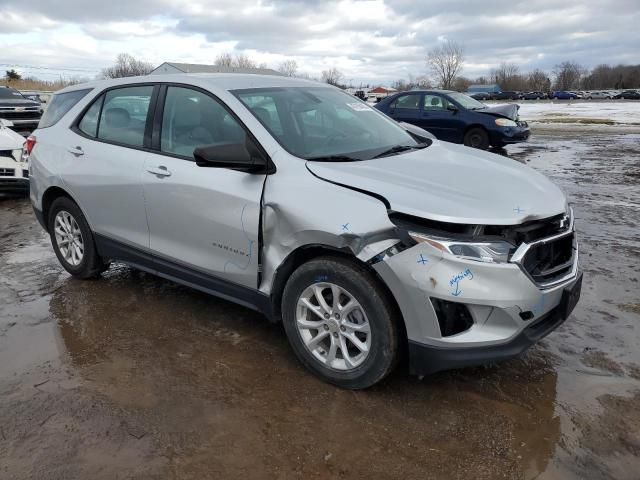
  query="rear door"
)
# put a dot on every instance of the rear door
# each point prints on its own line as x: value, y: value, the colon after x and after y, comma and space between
x: 407, y: 108
x: 203, y: 222
x: 106, y: 153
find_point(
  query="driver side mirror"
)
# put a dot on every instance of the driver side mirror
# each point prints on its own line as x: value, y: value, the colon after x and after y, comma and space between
x: 452, y: 107
x: 245, y: 157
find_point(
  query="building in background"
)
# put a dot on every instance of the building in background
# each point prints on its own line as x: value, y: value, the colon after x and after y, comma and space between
x: 173, y: 67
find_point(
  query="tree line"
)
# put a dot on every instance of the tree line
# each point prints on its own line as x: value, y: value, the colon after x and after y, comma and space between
x: 444, y: 62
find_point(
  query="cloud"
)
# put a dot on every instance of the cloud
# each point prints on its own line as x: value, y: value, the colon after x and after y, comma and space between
x: 378, y: 40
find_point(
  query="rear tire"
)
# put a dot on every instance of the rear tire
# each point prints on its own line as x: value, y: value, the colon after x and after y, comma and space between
x: 73, y: 241
x: 362, y: 312
x: 477, y: 138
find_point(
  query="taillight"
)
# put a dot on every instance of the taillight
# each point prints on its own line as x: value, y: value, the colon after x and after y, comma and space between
x: 29, y: 144
x: 27, y: 147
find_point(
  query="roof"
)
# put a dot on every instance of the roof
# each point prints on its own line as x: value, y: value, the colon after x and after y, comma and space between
x: 203, y: 68
x: 224, y: 81
x: 382, y: 90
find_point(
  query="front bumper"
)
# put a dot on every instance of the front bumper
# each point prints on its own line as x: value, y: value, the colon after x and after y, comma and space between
x: 14, y: 179
x: 509, y: 311
x: 426, y: 359
x: 507, y: 135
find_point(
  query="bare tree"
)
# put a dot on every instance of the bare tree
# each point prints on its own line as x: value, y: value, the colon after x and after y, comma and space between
x: 288, y: 68
x: 445, y: 61
x: 567, y: 75
x: 508, y: 76
x: 332, y: 76
x: 127, y: 66
x: 238, y: 61
x: 538, y: 81
x: 461, y: 84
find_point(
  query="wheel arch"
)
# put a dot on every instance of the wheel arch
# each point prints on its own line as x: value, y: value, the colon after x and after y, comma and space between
x: 48, y: 197
x: 310, y: 252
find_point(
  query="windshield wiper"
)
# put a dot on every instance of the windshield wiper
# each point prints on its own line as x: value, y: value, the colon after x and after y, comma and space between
x: 400, y: 149
x: 334, y: 158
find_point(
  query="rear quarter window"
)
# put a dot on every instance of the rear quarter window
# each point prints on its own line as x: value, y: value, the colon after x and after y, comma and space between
x: 59, y: 105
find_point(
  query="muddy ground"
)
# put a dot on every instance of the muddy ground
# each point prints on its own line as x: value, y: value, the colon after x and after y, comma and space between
x: 131, y: 376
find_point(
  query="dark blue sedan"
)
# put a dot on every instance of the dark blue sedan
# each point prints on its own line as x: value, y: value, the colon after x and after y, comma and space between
x: 457, y: 118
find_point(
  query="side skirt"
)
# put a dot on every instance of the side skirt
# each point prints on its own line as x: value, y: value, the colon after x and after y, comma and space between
x: 137, y: 258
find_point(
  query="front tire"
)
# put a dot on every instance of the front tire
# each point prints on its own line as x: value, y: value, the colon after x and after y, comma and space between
x: 73, y: 241
x: 477, y: 138
x: 340, y: 323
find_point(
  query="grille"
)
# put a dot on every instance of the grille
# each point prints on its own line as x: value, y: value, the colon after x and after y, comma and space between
x: 19, y: 115
x: 7, y: 172
x: 549, y: 261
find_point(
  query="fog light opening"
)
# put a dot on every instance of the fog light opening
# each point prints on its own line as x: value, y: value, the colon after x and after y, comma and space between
x: 453, y: 317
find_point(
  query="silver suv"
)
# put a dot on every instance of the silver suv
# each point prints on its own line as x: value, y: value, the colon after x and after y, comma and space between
x: 368, y: 240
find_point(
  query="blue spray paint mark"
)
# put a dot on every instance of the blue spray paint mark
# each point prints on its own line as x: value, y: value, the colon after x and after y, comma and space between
x: 454, y: 283
x: 345, y: 227
x: 249, y: 248
x: 322, y: 278
x: 538, y: 308
x: 518, y: 210
x: 422, y: 260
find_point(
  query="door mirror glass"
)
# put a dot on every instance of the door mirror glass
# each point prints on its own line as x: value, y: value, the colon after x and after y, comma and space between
x: 452, y: 107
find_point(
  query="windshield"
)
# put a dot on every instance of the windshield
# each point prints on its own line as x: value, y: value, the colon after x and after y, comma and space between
x: 10, y: 93
x: 324, y: 123
x: 466, y: 101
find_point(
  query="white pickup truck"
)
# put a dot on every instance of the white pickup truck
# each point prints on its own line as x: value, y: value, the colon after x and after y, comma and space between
x: 14, y: 168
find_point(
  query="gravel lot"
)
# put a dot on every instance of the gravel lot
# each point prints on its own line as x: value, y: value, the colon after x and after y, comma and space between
x: 131, y: 376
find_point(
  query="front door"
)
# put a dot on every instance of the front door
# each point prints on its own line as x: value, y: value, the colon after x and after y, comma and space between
x: 202, y: 220
x: 439, y: 120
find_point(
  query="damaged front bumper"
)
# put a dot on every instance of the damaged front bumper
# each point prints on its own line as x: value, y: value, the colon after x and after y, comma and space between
x: 459, y: 312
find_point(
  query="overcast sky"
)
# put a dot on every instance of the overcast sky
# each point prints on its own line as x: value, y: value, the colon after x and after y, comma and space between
x: 370, y: 41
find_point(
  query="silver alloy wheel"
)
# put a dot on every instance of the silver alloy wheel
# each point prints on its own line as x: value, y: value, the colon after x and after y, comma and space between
x: 69, y: 238
x: 333, y: 326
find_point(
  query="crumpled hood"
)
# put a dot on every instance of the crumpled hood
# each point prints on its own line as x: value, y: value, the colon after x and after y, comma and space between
x: 10, y: 140
x: 509, y: 111
x: 452, y: 183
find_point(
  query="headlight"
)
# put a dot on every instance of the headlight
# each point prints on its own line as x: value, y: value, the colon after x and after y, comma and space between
x: 489, y: 252
x: 505, y: 122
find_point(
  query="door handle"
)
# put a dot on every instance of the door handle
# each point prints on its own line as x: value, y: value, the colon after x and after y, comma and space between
x: 77, y: 151
x: 160, y: 171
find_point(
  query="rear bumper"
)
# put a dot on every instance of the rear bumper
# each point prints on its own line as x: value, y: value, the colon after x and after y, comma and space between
x: 427, y: 359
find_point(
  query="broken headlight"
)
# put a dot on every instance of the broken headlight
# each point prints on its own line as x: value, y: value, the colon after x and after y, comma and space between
x: 497, y: 251
x: 505, y: 122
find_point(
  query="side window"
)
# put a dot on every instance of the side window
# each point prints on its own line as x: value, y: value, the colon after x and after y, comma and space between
x: 410, y: 101
x: 89, y: 123
x: 60, y: 104
x: 434, y: 102
x: 124, y: 115
x: 192, y: 119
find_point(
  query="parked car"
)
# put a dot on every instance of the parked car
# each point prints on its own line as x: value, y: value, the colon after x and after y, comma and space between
x: 628, y: 95
x: 458, y: 118
x: 14, y: 169
x: 600, y: 95
x: 506, y: 95
x: 24, y: 114
x: 479, y: 95
x: 534, y: 96
x: 562, y: 95
x: 300, y: 201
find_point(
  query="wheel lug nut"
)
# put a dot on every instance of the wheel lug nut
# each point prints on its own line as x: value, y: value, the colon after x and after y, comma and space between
x: 342, y: 327
x: 335, y: 334
x: 326, y: 315
x: 326, y: 327
x: 337, y: 316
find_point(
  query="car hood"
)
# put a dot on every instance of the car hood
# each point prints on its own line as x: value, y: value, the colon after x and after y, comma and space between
x: 10, y: 140
x: 451, y: 183
x: 509, y: 111
x: 19, y: 102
